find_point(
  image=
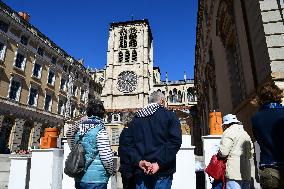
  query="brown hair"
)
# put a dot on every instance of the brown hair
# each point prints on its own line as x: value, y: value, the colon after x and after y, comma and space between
x: 269, y: 93
x: 95, y: 108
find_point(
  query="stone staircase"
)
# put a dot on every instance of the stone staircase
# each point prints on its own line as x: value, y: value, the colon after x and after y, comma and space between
x: 4, y: 170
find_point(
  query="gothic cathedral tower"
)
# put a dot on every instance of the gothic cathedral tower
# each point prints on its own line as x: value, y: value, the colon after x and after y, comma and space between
x: 129, y: 69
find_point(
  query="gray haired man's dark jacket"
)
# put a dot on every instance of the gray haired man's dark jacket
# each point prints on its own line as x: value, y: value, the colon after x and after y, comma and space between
x: 155, y: 136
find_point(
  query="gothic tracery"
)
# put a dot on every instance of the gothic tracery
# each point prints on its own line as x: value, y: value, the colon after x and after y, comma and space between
x: 226, y: 30
x: 123, y: 38
x: 127, y: 56
x: 134, y: 55
x: 120, y: 56
x: 132, y: 37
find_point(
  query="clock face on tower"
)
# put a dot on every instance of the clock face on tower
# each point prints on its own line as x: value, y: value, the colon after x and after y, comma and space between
x: 127, y: 81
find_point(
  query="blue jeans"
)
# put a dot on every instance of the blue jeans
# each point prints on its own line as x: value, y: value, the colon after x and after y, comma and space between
x: 83, y: 185
x: 217, y: 185
x: 154, y: 182
x: 237, y: 184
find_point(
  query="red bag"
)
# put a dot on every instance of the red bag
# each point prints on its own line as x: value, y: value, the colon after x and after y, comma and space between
x: 216, y: 168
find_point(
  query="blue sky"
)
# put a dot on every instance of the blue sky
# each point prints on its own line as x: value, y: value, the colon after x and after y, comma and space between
x: 81, y: 28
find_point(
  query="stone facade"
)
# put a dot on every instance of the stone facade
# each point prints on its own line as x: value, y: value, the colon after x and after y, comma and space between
x: 41, y: 85
x: 238, y: 48
x: 129, y: 77
x: 129, y: 65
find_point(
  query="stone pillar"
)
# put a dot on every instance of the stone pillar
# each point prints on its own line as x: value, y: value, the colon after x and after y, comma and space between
x: 185, y: 178
x: 36, y: 134
x: 19, y: 171
x: 46, y: 169
x: 17, y: 132
x: 211, y: 144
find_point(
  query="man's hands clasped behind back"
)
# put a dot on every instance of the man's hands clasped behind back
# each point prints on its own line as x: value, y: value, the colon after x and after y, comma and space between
x: 149, y: 168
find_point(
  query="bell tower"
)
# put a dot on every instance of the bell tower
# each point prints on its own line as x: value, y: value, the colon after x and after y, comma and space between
x: 129, y: 69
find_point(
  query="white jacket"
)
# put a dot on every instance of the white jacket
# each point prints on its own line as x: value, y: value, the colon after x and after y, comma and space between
x: 237, y: 146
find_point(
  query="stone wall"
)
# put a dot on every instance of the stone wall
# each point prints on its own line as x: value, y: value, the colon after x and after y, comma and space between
x: 255, y: 30
x: 273, y: 23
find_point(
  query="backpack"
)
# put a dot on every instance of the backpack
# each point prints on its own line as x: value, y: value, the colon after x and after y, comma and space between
x: 75, y: 162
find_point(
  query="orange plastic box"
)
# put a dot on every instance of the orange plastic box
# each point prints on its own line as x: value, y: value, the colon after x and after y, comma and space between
x: 215, y: 123
x: 49, y: 140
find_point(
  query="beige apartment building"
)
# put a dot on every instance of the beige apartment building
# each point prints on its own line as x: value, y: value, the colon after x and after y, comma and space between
x: 239, y: 46
x: 40, y: 84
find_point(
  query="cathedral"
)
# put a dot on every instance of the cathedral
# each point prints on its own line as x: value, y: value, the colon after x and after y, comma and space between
x: 130, y: 76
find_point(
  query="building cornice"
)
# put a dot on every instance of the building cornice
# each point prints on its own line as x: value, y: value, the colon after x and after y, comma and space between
x: 132, y: 22
x: 35, y: 32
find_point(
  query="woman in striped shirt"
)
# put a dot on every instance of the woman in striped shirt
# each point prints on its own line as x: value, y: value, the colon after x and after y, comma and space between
x: 98, y: 154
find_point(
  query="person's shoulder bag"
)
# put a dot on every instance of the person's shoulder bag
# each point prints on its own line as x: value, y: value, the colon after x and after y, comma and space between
x: 217, y: 166
x: 75, y: 162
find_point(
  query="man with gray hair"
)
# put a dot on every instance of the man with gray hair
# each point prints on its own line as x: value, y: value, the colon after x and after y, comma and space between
x: 154, y: 138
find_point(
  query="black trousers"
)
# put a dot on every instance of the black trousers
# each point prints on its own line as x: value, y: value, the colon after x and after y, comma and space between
x: 128, y: 183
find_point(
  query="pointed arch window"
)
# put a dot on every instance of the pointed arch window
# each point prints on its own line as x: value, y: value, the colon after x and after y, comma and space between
x: 226, y: 30
x: 132, y: 37
x: 191, y: 95
x: 134, y: 55
x: 120, y: 56
x: 170, y: 97
x: 123, y: 39
x: 127, y: 56
x: 179, y: 98
x: 175, y: 96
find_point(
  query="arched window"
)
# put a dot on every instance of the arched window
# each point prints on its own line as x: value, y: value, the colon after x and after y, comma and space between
x: 115, y: 118
x: 175, y: 96
x: 5, y: 132
x: 73, y: 111
x: 226, y: 30
x: 134, y: 55
x: 26, y: 135
x: 179, y: 99
x: 127, y: 56
x: 120, y: 56
x: 132, y: 37
x: 190, y: 95
x: 170, y: 97
x: 123, y: 39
